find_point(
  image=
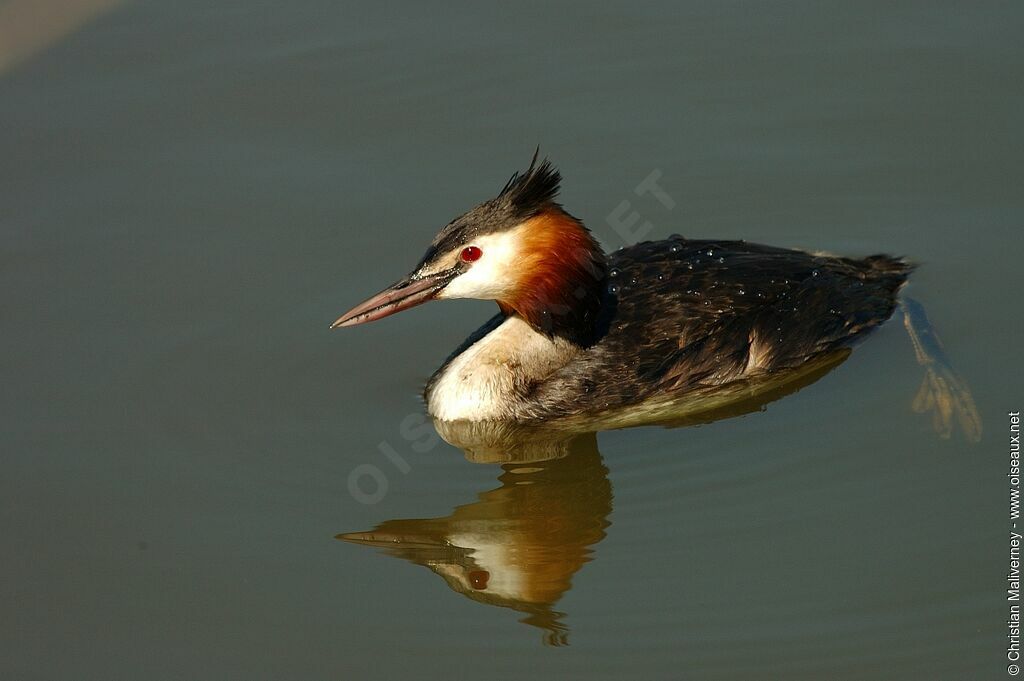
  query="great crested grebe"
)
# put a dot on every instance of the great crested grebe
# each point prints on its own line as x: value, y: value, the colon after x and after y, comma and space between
x: 582, y: 333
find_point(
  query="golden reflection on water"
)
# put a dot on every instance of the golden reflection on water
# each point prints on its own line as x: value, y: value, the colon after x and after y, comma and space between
x: 28, y: 27
x: 518, y: 545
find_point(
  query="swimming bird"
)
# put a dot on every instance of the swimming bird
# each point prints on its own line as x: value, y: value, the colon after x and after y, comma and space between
x: 580, y: 332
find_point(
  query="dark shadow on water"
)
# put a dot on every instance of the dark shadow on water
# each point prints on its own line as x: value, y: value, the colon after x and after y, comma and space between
x: 518, y: 545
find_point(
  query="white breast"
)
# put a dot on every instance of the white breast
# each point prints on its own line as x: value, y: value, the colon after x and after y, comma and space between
x: 486, y: 381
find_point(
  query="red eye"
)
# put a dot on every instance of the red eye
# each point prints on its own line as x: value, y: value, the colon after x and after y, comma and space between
x: 478, y: 579
x: 470, y: 254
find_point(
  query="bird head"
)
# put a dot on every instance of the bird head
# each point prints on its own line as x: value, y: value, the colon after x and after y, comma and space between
x: 520, y: 249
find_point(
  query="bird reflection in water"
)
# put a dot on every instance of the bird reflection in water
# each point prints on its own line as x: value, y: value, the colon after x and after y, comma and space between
x: 519, y: 545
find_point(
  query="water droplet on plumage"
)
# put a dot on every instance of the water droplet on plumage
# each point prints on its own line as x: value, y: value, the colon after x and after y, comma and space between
x: 814, y: 273
x: 613, y: 289
x: 675, y: 248
x: 613, y: 272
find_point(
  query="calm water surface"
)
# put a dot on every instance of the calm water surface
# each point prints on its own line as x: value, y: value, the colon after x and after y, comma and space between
x: 192, y: 191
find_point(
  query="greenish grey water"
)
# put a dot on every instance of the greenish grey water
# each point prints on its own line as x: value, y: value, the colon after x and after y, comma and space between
x: 193, y: 191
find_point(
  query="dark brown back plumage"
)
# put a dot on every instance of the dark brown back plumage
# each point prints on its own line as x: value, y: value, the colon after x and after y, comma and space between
x: 687, y: 314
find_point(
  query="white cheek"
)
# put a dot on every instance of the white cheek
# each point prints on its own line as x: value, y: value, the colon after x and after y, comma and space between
x: 493, y: 275
x: 507, y: 577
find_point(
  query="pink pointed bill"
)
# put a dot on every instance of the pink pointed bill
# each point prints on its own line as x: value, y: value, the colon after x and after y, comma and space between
x: 400, y: 296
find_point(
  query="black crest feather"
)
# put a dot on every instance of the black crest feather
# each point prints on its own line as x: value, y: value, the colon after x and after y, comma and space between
x: 524, y: 196
x: 530, y: 191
